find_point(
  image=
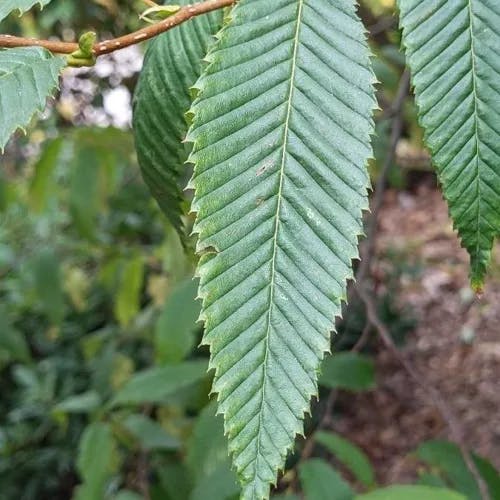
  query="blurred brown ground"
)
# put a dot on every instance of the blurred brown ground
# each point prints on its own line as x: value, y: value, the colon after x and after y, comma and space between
x: 456, y: 344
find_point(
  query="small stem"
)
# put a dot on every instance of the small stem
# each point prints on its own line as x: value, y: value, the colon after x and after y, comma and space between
x: 105, y: 47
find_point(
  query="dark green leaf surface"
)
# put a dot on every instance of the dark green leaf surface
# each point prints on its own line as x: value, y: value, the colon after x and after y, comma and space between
x: 27, y: 77
x: 173, y: 63
x: 207, y: 459
x: 321, y: 482
x: 155, y: 384
x: 128, y: 295
x: 13, y: 343
x: 150, y: 434
x: 81, y: 403
x: 48, y: 285
x: 349, y: 455
x: 174, y: 332
x: 453, y: 50
x: 8, y: 6
x: 349, y: 371
x: 281, y: 133
x: 95, y: 467
x: 42, y: 188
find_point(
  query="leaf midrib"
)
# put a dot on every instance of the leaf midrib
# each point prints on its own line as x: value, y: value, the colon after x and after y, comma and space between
x: 277, y: 224
x: 476, y: 129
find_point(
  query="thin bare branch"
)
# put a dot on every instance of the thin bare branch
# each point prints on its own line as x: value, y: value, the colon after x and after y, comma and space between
x: 105, y: 47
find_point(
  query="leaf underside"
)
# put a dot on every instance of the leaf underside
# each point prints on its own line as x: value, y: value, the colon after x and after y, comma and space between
x: 172, y: 65
x: 27, y: 77
x: 281, y: 133
x: 8, y: 6
x: 453, y: 50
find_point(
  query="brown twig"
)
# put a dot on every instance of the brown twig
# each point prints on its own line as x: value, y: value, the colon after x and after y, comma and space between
x: 363, y: 339
x: 105, y: 47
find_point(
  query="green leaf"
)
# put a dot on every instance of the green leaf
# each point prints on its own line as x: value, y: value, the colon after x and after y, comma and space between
x: 12, y: 341
x: 27, y: 77
x: 172, y: 64
x: 321, y: 482
x: 222, y: 484
x: 81, y: 403
x: 490, y: 475
x: 349, y: 455
x: 128, y: 295
x: 281, y: 132
x: 155, y: 384
x: 174, y: 333
x: 43, y: 187
x: 453, y: 50
x: 93, y: 174
x: 150, y: 434
x: 207, y: 450
x: 95, y: 461
x: 446, y: 459
x: 174, y: 479
x: 349, y: 371
x: 48, y: 285
x: 8, y: 6
x: 411, y: 493
x: 429, y: 479
x: 84, y: 192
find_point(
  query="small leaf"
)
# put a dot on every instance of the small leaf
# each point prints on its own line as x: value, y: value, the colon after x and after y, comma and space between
x: 174, y: 333
x: 128, y: 295
x: 8, y: 6
x: 12, y: 341
x: 81, y: 403
x: 349, y: 371
x: 48, y: 285
x: 156, y: 384
x: 430, y: 479
x: 222, y: 484
x: 42, y: 186
x: 207, y: 446
x: 27, y: 77
x: 321, y: 482
x: 150, y: 434
x: 207, y: 459
x: 159, y: 12
x: 95, y: 461
x: 349, y: 455
x: 175, y: 480
x: 411, y: 493
x: 84, y: 190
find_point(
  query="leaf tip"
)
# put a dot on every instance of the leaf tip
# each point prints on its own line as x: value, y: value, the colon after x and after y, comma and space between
x: 478, y: 287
